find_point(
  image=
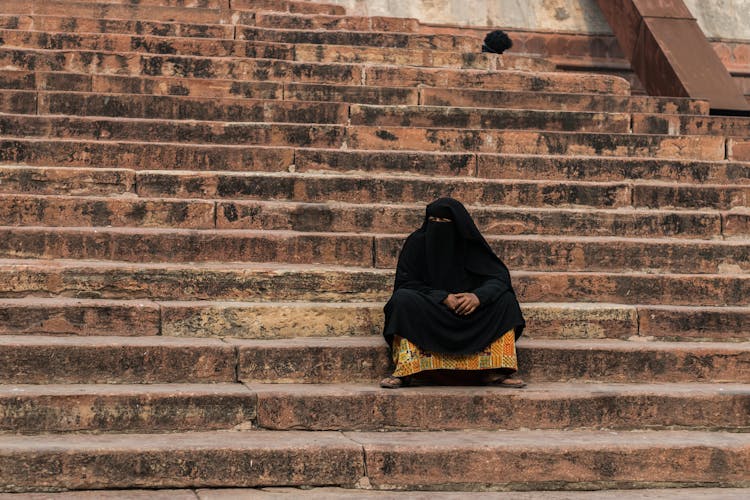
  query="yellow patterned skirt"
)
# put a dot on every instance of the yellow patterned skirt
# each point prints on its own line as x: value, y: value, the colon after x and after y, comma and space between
x: 410, y: 359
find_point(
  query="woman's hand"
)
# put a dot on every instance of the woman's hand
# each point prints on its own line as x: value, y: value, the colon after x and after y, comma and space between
x: 467, y: 303
x: 451, y: 301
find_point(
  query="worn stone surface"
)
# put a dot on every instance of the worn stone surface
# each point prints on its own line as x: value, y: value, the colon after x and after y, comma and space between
x: 556, y: 253
x: 365, y: 359
x: 166, y: 245
x: 201, y: 459
x: 326, y: 493
x: 36, y: 315
x: 539, y: 406
x: 269, y: 320
x: 81, y: 360
x: 30, y: 210
x: 382, y: 218
x: 28, y: 409
x: 548, y: 457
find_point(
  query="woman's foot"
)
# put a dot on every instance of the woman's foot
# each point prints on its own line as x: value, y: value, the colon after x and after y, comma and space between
x: 392, y: 382
x: 502, y: 380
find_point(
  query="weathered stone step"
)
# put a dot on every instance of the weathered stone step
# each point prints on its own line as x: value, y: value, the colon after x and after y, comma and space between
x: 434, y: 41
x: 533, y: 253
x: 567, y: 101
x: 184, y: 156
x: 80, y: 24
x: 64, y: 360
x: 194, y: 459
x: 33, y: 210
x: 244, y: 110
x: 188, y: 108
x: 502, y: 166
x: 339, y: 493
x: 29, y: 409
x: 92, y: 360
x: 487, y: 118
x: 148, y: 408
x: 674, y: 124
x: 205, y: 4
x: 84, y: 317
x: 228, y: 47
x: 521, y: 141
x: 175, y: 245
x: 50, y: 210
x: 66, y: 181
x: 293, y: 6
x: 539, y: 406
x: 213, y: 88
x: 273, y: 282
x: 394, y: 460
x: 210, y: 15
x: 315, y: 361
x: 314, y: 188
x: 400, y: 189
x: 135, y: 64
x: 264, y: 320
x: 338, y: 22
x: 491, y: 220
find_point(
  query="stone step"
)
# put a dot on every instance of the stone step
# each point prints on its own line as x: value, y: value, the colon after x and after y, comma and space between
x: 211, y: 15
x: 311, y: 22
x: 503, y: 99
x: 51, y: 210
x: 244, y: 110
x: 338, y: 493
x: 135, y: 64
x: 400, y: 189
x: 264, y: 320
x: 205, y: 4
x: 83, y: 317
x: 679, y: 173
x: 30, y: 409
x: 512, y: 141
x: 175, y: 245
x: 203, y: 88
x: 118, y: 360
x: 531, y: 253
x: 303, y: 7
x: 316, y: 361
x: 539, y: 406
x: 72, y: 82
x: 148, y: 408
x: 107, y: 360
x: 188, y: 108
x: 194, y: 459
x: 316, y: 188
x: 487, y: 118
x: 674, y: 124
x: 81, y: 24
x: 434, y: 41
x: 274, y: 282
x: 394, y: 460
x: 204, y: 47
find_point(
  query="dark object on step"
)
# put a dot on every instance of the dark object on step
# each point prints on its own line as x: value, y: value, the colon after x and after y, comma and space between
x: 497, y: 42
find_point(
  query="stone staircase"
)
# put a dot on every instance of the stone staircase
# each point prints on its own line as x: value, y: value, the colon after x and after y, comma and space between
x: 201, y: 206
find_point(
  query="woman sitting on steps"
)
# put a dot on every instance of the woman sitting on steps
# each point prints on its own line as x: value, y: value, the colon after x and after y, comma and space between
x: 453, y: 316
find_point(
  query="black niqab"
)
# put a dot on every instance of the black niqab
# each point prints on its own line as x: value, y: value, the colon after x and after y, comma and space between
x: 450, y: 257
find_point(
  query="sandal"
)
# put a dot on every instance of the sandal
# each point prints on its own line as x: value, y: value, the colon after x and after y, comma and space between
x: 510, y: 383
x: 498, y: 380
x: 392, y: 382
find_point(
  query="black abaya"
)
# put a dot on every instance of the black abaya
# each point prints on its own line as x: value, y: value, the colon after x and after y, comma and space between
x: 442, y: 258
